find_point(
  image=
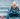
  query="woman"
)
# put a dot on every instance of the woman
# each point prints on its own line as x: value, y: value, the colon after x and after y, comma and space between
x: 13, y: 11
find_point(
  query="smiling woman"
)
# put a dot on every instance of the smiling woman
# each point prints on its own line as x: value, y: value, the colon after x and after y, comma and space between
x: 13, y: 11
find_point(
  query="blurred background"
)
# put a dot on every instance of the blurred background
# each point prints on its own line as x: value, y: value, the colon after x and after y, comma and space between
x: 5, y: 6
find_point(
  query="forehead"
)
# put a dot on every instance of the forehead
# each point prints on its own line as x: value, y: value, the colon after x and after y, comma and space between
x: 14, y: 2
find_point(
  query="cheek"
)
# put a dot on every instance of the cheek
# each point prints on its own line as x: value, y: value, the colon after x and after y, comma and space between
x: 14, y: 5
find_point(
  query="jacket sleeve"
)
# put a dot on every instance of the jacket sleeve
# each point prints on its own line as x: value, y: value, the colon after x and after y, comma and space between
x: 17, y: 11
x: 10, y: 11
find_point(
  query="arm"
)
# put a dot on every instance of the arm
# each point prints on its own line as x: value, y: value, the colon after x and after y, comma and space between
x: 10, y: 11
x: 17, y: 11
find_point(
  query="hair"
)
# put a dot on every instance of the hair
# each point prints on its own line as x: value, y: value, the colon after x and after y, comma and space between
x: 13, y: 3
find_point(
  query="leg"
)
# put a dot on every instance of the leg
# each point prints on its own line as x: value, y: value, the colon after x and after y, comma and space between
x: 7, y: 17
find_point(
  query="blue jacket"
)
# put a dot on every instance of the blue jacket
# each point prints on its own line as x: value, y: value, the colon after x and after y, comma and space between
x: 16, y: 10
x: 13, y: 11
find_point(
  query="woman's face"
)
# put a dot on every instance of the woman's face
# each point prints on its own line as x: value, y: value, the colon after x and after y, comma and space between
x: 14, y: 5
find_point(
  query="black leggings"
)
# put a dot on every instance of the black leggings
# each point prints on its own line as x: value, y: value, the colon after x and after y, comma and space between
x: 14, y: 15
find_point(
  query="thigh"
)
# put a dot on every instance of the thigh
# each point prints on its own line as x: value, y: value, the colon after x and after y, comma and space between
x: 14, y: 18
